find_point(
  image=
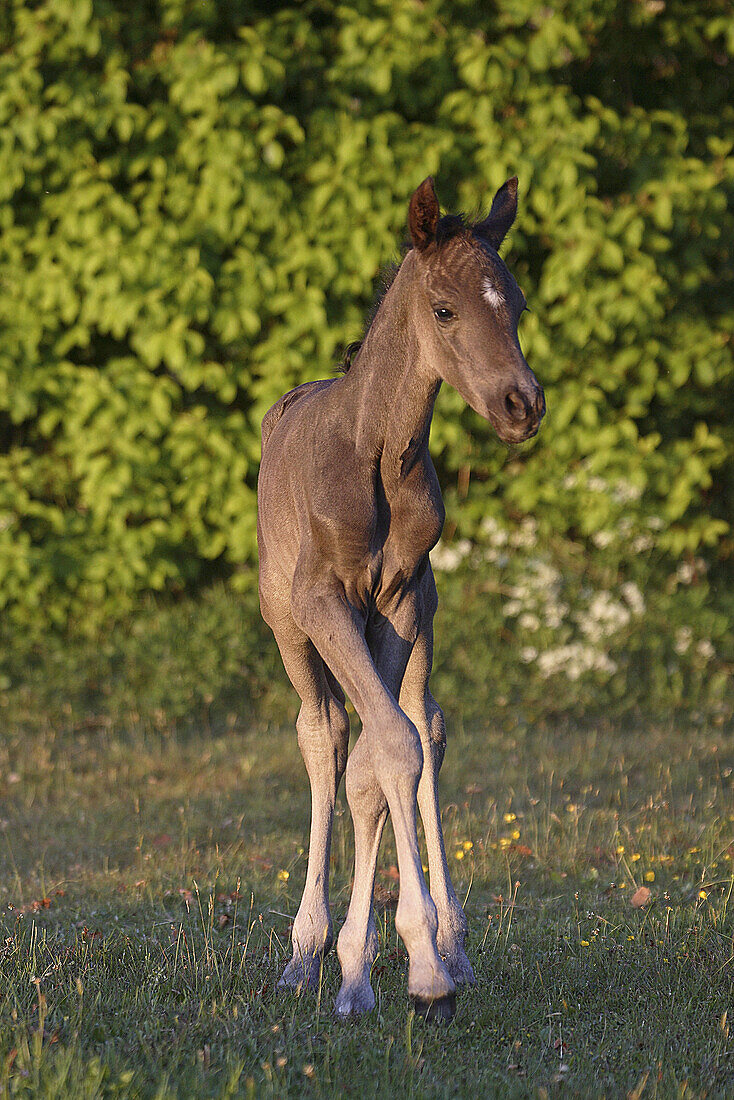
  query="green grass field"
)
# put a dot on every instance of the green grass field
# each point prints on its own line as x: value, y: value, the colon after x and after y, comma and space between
x: 148, y: 882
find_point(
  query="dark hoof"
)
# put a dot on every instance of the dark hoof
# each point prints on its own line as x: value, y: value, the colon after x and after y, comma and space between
x: 439, y: 1011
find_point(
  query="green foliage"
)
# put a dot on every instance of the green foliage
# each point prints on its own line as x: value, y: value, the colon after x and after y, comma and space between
x: 523, y: 637
x: 196, y: 200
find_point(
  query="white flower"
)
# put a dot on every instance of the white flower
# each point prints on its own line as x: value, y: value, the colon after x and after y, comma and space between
x: 634, y: 597
x: 526, y: 534
x: 685, y: 573
x: 602, y: 539
x: 625, y: 491
x: 603, y: 617
x: 642, y: 543
x: 575, y: 659
x: 683, y: 638
x: 512, y: 608
x: 529, y: 621
x: 528, y: 653
x: 496, y: 534
x: 545, y: 575
x: 705, y: 649
x: 446, y: 558
x: 489, y: 525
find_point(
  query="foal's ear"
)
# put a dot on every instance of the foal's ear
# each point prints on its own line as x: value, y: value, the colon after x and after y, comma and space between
x: 423, y: 215
x: 504, y: 208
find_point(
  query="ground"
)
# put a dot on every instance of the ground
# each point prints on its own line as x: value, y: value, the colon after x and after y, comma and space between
x: 148, y: 881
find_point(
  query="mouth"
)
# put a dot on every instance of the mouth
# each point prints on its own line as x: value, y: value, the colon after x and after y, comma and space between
x: 510, y: 433
x: 517, y: 434
x: 516, y: 419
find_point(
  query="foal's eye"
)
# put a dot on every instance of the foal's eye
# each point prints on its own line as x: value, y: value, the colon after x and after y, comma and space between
x: 443, y: 314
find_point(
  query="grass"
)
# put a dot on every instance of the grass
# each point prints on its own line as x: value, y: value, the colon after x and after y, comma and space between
x: 148, y: 880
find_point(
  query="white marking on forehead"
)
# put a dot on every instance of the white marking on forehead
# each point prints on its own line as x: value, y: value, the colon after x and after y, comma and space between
x: 491, y: 294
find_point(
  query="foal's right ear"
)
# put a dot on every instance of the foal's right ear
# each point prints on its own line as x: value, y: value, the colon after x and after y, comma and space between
x: 423, y: 215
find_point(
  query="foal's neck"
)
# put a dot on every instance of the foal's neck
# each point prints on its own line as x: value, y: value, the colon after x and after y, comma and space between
x: 393, y: 390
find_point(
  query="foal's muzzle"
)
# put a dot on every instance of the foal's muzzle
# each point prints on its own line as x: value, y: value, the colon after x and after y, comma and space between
x: 524, y: 410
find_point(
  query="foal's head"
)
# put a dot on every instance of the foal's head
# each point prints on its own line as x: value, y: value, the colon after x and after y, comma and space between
x: 466, y: 310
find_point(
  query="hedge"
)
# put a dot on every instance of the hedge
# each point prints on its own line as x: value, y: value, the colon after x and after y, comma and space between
x: 195, y: 204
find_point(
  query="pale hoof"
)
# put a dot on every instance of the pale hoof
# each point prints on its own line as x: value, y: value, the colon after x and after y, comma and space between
x: 439, y: 1011
x: 354, y: 1000
x: 302, y: 972
x: 428, y: 983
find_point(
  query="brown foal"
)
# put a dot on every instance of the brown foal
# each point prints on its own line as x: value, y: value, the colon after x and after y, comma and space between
x: 349, y: 507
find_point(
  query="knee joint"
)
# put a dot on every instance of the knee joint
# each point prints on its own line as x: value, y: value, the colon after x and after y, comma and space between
x: 397, y: 750
x: 324, y: 726
x: 364, y: 793
x: 436, y: 725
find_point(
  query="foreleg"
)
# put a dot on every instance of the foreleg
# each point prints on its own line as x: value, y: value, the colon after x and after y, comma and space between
x: 420, y: 706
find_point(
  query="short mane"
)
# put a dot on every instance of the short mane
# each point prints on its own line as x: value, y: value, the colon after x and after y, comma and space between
x: 449, y: 226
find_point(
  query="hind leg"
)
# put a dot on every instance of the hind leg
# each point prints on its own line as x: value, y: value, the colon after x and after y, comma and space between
x: 323, y: 738
x: 357, y: 943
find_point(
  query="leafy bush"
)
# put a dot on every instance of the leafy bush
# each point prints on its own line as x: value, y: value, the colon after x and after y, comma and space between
x: 195, y: 203
x: 533, y: 630
x: 526, y: 632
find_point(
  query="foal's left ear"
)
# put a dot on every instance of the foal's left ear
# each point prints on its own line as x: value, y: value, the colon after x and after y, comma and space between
x: 504, y: 208
x: 423, y: 215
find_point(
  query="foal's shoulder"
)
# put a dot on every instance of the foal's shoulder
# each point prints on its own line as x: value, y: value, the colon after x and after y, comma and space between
x: 275, y: 413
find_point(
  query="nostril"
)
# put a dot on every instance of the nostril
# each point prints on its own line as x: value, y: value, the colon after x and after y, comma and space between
x: 516, y: 405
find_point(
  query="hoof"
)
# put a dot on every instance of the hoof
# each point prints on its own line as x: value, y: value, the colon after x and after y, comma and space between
x: 301, y: 974
x: 354, y: 1001
x: 439, y: 1011
x: 460, y: 970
